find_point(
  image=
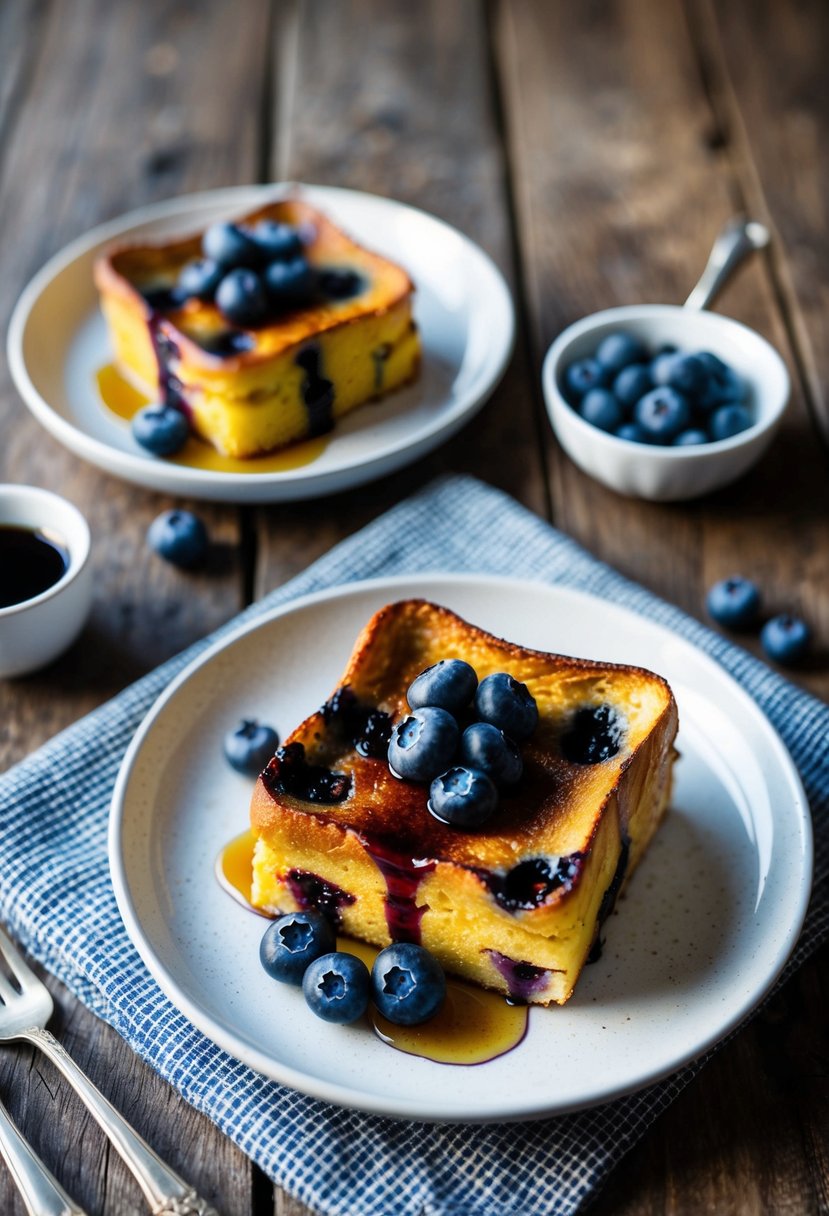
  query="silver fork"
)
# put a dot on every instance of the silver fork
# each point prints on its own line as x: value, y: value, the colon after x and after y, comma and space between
x: 42, y: 1193
x: 23, y: 1015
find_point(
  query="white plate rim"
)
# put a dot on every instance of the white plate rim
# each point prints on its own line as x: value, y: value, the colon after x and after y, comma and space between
x: 279, y: 486
x: 446, y: 1111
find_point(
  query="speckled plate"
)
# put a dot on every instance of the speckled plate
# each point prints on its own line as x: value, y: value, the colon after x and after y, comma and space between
x: 708, y: 922
x: 58, y: 341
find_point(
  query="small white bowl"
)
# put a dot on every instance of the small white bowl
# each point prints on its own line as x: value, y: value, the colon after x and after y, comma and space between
x: 667, y: 474
x: 37, y: 630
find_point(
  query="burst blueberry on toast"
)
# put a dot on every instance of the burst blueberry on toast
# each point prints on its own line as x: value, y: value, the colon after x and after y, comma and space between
x: 515, y: 905
x: 279, y: 353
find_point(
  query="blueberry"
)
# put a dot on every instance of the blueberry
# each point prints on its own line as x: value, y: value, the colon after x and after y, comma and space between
x: 201, y: 278
x: 160, y: 429
x: 423, y: 744
x: 660, y: 366
x: 721, y: 388
x: 241, y: 298
x: 662, y: 414
x: 619, y: 350
x: 340, y: 283
x: 729, y: 420
x: 276, y: 240
x: 687, y: 374
x: 713, y: 364
x: 407, y: 983
x: 464, y: 797
x: 292, y: 943
x: 250, y: 746
x: 581, y: 376
x: 631, y: 431
x: 785, y: 638
x: 485, y: 747
x: 595, y: 733
x: 507, y: 704
x: 163, y: 299
x: 601, y: 409
x: 632, y: 383
x: 691, y: 438
x: 179, y: 537
x: 336, y: 987
x: 734, y: 602
x: 449, y: 684
x: 288, y: 282
x: 230, y: 245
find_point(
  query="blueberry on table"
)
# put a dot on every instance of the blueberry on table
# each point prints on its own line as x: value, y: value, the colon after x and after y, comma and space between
x: 288, y: 282
x: 619, y: 350
x: 463, y: 797
x: 488, y: 749
x: 241, y: 298
x: 276, y: 240
x: 691, y: 438
x: 729, y: 420
x: 179, y: 537
x: 601, y: 409
x: 504, y: 702
x: 632, y: 383
x: 662, y: 414
x: 250, y: 746
x: 201, y: 278
x: 449, y: 684
x: 161, y: 429
x: 423, y: 744
x: 581, y: 376
x: 734, y: 602
x: 292, y: 942
x: 407, y: 984
x: 631, y: 431
x: 336, y: 987
x: 231, y: 246
x: 785, y: 638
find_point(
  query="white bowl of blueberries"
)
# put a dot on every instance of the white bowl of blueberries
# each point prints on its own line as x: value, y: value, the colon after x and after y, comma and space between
x: 664, y: 402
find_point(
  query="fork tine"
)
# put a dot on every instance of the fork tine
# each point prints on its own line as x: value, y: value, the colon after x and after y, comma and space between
x: 21, y: 971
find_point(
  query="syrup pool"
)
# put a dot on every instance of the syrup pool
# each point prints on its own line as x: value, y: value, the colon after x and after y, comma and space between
x: 123, y: 400
x: 473, y: 1026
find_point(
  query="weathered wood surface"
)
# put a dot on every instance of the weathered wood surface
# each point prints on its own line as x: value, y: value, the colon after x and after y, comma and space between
x: 594, y: 150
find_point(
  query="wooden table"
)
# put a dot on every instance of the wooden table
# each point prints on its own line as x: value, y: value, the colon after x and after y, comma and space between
x: 594, y: 149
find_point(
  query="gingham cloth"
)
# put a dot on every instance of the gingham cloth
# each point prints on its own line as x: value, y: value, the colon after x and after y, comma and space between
x: 57, y: 898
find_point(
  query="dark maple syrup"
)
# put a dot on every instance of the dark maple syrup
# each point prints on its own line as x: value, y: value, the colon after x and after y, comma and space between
x: 473, y: 1026
x: 31, y: 561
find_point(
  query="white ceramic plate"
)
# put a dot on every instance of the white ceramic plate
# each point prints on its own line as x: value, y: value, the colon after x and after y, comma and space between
x: 58, y: 341
x: 708, y: 922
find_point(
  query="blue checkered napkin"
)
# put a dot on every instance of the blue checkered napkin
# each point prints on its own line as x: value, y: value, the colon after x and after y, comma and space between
x: 56, y: 896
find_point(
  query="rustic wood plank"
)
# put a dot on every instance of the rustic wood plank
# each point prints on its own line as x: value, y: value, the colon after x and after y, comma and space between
x: 621, y: 185
x: 388, y: 129
x: 121, y: 106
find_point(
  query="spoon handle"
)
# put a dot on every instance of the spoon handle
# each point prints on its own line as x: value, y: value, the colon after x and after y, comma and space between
x: 738, y: 238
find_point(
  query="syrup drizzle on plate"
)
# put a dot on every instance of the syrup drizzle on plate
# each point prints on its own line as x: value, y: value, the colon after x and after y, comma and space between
x: 123, y: 400
x: 473, y: 1026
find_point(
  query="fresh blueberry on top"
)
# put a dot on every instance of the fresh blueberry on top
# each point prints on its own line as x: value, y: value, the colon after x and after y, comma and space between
x: 506, y: 703
x: 632, y: 383
x: 785, y: 638
x: 340, y: 283
x: 163, y: 299
x: 450, y: 684
x: 594, y: 734
x: 631, y: 431
x: 292, y: 942
x: 662, y: 414
x: 691, y: 438
x: 581, y: 376
x: 734, y: 602
x: 687, y: 374
x: 201, y: 278
x: 276, y: 240
x: 619, y: 350
x: 601, y: 409
x: 250, y: 746
x: 288, y: 282
x: 230, y: 245
x: 407, y: 984
x: 485, y: 747
x: 729, y: 420
x: 241, y: 298
x: 179, y: 537
x: 423, y: 744
x: 336, y: 987
x: 463, y: 797
x: 160, y: 429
